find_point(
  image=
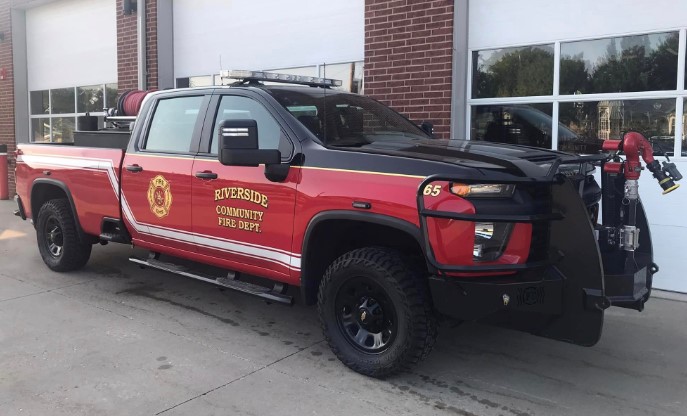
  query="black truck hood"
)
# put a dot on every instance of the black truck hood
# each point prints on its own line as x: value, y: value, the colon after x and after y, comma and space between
x: 513, y: 159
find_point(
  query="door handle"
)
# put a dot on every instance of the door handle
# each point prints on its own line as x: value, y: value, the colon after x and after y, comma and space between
x: 134, y: 168
x: 206, y: 174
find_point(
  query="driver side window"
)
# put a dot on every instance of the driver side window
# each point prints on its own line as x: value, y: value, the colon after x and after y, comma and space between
x: 270, y: 135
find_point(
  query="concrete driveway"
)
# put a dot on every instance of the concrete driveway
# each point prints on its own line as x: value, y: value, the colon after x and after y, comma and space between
x: 113, y: 339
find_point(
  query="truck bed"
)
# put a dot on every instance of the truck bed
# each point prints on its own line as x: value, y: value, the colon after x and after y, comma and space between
x: 89, y: 177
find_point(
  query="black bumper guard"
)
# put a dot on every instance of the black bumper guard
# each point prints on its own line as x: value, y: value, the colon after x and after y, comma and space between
x: 428, y: 213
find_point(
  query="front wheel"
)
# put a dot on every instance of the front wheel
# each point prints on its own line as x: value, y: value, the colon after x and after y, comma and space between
x: 375, y: 312
x: 58, y: 240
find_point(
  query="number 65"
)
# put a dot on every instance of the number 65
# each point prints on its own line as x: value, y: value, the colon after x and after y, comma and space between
x: 432, y: 190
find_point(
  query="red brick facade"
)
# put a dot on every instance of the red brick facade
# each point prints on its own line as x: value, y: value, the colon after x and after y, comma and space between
x: 7, y: 89
x: 408, y: 58
x: 127, y: 47
x: 151, y: 39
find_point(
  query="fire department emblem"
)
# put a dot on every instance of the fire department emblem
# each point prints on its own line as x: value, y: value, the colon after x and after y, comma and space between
x: 159, y: 196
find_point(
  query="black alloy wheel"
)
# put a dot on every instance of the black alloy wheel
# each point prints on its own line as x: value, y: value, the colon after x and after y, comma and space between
x: 375, y: 311
x: 58, y: 238
x: 366, y: 315
x: 54, y: 239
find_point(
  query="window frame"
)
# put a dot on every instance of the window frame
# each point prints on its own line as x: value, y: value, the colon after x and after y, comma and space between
x: 197, y: 128
x: 679, y: 94
x: 205, y: 146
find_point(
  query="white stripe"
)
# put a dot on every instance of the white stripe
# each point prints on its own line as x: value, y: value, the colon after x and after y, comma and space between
x: 229, y: 251
x: 288, y: 259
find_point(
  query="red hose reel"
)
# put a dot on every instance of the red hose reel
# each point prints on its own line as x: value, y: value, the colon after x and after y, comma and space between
x: 129, y: 103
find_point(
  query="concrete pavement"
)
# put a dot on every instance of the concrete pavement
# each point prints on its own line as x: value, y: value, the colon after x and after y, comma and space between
x: 113, y: 339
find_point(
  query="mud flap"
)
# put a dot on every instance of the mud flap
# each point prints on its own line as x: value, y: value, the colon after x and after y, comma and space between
x: 581, y: 267
x: 575, y: 280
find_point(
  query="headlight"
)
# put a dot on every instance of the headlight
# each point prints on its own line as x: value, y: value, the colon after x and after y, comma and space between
x: 490, y: 240
x: 482, y: 190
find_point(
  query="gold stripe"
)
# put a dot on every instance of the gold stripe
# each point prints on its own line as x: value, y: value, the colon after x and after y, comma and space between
x: 361, y: 171
x: 664, y: 181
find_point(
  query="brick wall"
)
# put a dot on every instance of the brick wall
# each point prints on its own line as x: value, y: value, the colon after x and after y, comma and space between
x: 151, y: 39
x: 7, y: 89
x: 408, y: 55
x: 127, y: 48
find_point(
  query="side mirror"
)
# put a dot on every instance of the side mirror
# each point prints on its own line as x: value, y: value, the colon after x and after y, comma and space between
x: 238, y: 145
x: 427, y: 127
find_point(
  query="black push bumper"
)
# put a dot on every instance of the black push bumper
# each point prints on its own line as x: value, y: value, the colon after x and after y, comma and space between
x: 561, y: 295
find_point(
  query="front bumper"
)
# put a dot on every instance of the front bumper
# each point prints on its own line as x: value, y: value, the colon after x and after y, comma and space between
x: 563, y: 296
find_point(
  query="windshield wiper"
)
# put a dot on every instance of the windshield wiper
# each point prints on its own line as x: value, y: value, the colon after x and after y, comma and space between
x: 349, y: 144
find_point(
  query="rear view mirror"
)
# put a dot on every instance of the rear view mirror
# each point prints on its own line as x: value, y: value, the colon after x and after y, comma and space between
x: 238, y: 145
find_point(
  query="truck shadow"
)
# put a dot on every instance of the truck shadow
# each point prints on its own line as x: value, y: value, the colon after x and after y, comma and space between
x: 474, y: 370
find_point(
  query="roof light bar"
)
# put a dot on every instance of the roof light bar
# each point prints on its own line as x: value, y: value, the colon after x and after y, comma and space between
x: 285, y: 78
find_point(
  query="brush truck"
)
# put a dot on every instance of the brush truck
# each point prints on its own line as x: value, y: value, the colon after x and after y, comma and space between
x: 274, y: 185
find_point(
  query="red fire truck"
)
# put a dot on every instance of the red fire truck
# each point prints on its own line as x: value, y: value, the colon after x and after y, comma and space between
x: 383, y: 226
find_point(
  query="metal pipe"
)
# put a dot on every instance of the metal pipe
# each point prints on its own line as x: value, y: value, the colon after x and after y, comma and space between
x: 141, y: 29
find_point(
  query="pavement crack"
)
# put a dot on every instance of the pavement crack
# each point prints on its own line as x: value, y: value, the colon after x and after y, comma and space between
x: 54, y: 290
x: 240, y: 378
x: 155, y: 328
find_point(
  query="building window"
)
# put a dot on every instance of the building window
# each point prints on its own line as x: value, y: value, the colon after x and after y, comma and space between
x: 54, y: 112
x: 626, y: 64
x: 528, y: 124
x: 512, y: 72
x: 585, y: 125
x: 599, y: 89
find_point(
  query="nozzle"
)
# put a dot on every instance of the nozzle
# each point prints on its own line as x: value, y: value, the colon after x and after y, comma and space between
x: 671, y: 170
x: 670, y: 189
x: 663, y: 176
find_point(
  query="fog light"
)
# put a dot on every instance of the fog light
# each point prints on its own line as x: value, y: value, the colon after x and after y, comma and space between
x: 490, y: 240
x: 477, y: 250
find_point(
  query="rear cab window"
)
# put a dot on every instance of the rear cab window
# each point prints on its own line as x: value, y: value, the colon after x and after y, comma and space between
x: 173, y: 124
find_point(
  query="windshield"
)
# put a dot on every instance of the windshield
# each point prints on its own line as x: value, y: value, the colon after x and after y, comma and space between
x: 351, y: 120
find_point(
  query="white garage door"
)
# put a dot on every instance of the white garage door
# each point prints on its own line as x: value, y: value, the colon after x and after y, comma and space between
x: 598, y: 68
x: 71, y: 43
x: 71, y: 52
x: 270, y: 34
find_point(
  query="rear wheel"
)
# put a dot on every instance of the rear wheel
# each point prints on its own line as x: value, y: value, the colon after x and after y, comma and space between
x: 58, y: 238
x: 375, y: 312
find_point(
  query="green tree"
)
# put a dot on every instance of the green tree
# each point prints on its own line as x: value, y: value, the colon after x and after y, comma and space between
x: 522, y: 72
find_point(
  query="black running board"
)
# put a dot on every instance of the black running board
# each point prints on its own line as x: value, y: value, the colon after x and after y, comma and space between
x: 275, y: 294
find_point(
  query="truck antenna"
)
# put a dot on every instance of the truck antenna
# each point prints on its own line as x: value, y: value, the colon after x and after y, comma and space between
x: 324, y: 105
x: 221, y: 68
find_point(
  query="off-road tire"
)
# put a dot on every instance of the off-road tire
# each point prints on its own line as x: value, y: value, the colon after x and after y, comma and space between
x: 407, y: 291
x: 74, y: 253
